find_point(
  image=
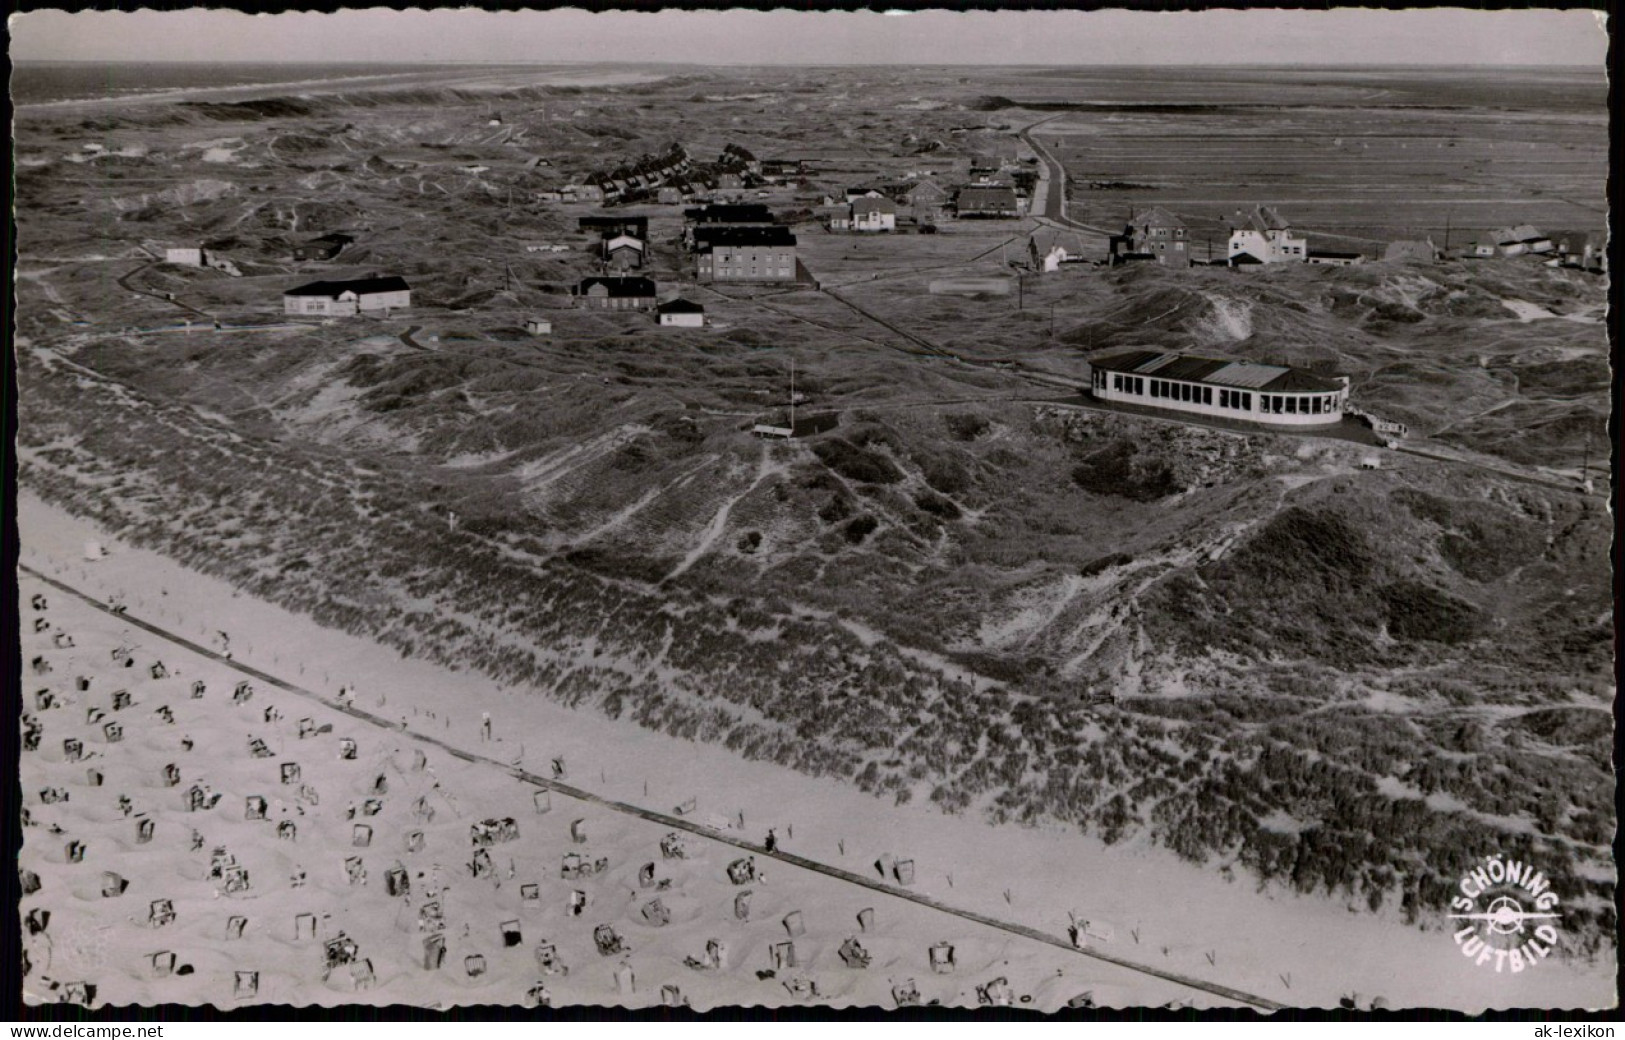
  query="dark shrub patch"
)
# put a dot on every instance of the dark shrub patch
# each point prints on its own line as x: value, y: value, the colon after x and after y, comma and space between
x: 1417, y: 612
x: 861, y: 528
x: 838, y: 509
x: 855, y: 463
x: 1101, y: 564
x: 936, y: 505
x: 966, y: 426
x: 1118, y: 469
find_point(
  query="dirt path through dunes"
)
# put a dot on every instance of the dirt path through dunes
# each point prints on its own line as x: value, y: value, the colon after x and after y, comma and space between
x: 675, y: 822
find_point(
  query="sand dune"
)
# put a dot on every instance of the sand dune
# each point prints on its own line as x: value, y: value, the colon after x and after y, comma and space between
x: 423, y: 764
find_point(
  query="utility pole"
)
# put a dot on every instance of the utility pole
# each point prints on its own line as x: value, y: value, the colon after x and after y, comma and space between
x: 792, y: 397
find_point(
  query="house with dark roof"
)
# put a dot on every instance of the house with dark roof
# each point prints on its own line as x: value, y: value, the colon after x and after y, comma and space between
x: 1156, y: 235
x: 924, y: 199
x: 351, y: 296
x: 987, y: 202
x: 738, y: 158
x: 1334, y: 258
x: 745, y: 254
x: 681, y: 313
x: 616, y: 293
x: 1273, y: 395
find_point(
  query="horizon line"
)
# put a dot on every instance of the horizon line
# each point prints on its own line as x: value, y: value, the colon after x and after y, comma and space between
x: 16, y: 61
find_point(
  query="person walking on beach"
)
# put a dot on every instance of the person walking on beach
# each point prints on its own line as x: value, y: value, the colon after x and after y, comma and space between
x: 772, y: 842
x: 485, y: 725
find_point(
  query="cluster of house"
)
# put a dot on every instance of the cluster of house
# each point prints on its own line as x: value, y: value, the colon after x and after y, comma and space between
x: 1583, y: 250
x: 200, y: 256
x: 1261, y: 237
x: 879, y: 207
x: 673, y: 177
x: 622, y: 292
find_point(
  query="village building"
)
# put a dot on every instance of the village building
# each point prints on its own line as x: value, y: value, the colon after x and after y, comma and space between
x: 1266, y: 237
x: 681, y: 313
x: 1334, y: 258
x: 738, y: 158
x: 616, y: 293
x: 1586, y: 250
x: 924, y: 199
x: 622, y: 252
x: 745, y: 254
x: 1247, y: 391
x: 871, y: 214
x: 782, y: 170
x: 187, y: 256
x: 722, y: 215
x: 1048, y: 248
x: 1521, y: 239
x: 352, y: 296
x: 987, y: 202
x: 1156, y: 235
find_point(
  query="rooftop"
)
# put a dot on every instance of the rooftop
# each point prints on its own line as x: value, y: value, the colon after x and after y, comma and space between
x: 630, y: 285
x: 987, y: 195
x: 1188, y: 368
x: 359, y: 286
x: 864, y: 206
x: 741, y: 213
x: 776, y: 235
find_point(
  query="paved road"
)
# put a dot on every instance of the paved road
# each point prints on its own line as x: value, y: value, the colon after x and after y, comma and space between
x: 1055, y: 200
x: 672, y: 821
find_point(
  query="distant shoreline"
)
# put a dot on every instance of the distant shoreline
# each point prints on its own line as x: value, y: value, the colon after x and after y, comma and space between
x: 466, y: 76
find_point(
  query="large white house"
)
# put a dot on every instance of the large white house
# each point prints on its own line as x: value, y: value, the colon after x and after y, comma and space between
x: 348, y: 297
x: 1267, y: 238
x: 1240, y: 390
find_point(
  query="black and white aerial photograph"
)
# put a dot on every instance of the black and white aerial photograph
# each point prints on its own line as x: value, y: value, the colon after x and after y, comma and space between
x: 1049, y: 511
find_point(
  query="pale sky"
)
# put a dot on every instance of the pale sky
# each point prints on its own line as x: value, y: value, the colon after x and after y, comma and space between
x: 1249, y: 37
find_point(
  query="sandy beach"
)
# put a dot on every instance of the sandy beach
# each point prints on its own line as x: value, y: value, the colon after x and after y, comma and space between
x: 1144, y: 905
